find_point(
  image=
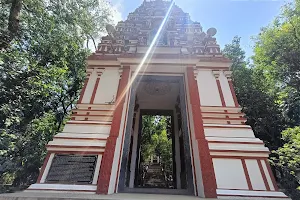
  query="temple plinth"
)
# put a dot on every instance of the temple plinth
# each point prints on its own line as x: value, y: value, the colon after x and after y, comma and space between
x: 185, y: 77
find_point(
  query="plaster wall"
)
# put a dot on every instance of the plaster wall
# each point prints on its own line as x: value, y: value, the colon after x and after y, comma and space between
x: 89, y: 87
x: 256, y: 179
x: 228, y: 132
x: 268, y: 175
x: 208, y: 90
x: 226, y: 90
x: 229, y: 174
x: 87, y: 128
x: 108, y: 86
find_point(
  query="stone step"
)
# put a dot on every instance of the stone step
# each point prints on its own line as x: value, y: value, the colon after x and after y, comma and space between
x: 74, y: 196
x: 120, y: 196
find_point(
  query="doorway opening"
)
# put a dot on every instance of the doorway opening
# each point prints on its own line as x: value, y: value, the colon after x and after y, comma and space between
x: 156, y: 155
x: 155, y: 163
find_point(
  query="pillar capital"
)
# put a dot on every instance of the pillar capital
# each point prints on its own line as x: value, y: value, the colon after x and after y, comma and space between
x: 228, y: 74
x: 216, y: 73
x: 98, y: 70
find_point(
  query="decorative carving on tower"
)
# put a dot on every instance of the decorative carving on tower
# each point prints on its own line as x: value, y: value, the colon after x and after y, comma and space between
x: 141, y: 26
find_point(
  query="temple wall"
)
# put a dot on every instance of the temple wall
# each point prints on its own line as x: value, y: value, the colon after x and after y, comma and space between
x: 226, y: 90
x: 90, y: 87
x: 240, y: 160
x: 88, y: 130
x: 198, y: 181
x: 108, y: 86
x: 208, y: 89
x: 229, y: 174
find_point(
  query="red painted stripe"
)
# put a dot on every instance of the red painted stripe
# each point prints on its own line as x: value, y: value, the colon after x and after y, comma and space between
x: 108, y: 156
x: 247, y: 175
x: 271, y: 174
x: 233, y: 94
x: 263, y: 175
x: 207, y: 168
x: 43, y: 167
x: 94, y: 91
x: 221, y: 93
x: 83, y: 90
x: 191, y: 143
x: 121, y: 149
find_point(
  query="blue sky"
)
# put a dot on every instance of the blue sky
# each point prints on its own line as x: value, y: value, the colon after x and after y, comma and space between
x: 230, y: 17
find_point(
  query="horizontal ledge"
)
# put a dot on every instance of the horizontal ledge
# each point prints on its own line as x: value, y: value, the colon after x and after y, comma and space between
x: 76, y: 152
x: 233, y: 142
x: 239, y: 151
x: 249, y: 193
x: 223, y: 126
x: 86, y: 115
x: 74, y: 146
x: 78, y: 138
x: 224, y: 113
x: 85, y: 122
x: 223, y: 118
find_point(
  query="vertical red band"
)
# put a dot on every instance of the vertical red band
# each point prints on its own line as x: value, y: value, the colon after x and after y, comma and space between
x: 263, y: 175
x: 108, y: 156
x: 271, y: 175
x: 247, y: 174
x: 207, y: 168
x: 94, y: 91
x: 43, y: 167
x: 236, y: 103
x: 83, y: 90
x: 221, y: 93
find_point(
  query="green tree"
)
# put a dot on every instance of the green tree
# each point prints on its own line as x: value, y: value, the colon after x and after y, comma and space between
x: 264, y: 108
x: 42, y: 67
x: 288, y: 160
x: 263, y: 114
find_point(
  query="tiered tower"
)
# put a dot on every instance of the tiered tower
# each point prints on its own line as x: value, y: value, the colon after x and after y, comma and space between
x: 91, y: 154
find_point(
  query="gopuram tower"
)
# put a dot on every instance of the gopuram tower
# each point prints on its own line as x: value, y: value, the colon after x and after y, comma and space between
x: 158, y: 62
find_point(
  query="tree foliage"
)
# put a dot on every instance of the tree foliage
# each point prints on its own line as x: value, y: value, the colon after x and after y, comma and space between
x: 156, y: 139
x: 268, y: 89
x: 42, y: 67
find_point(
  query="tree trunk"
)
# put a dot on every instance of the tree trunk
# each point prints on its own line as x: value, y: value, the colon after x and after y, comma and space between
x: 13, y: 24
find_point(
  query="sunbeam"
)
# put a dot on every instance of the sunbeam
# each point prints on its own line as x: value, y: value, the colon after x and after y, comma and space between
x: 146, y: 56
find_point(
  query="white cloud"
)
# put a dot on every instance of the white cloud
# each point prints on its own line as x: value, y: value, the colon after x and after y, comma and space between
x: 117, y: 9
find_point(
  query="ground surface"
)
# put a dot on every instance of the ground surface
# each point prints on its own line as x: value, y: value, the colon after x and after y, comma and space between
x: 123, y: 196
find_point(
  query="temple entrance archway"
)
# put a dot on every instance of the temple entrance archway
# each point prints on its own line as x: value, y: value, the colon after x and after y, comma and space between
x: 144, y: 170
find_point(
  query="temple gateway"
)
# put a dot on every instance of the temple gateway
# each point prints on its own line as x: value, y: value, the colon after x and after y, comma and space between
x: 158, y: 65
